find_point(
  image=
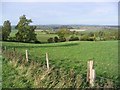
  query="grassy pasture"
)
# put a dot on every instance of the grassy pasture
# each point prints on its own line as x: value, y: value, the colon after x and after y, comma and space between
x: 75, y: 55
x: 43, y: 37
x: 0, y: 71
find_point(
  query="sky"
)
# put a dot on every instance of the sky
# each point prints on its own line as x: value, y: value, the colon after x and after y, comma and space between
x: 60, y: 0
x: 91, y: 12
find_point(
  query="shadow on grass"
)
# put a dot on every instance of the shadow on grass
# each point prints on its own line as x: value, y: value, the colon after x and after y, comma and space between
x: 44, y: 46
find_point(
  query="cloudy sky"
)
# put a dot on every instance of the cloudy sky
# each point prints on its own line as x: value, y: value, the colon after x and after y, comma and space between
x: 89, y: 12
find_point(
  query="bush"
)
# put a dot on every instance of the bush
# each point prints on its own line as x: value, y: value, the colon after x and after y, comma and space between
x: 12, y: 39
x: 62, y: 39
x: 56, y: 39
x: 72, y: 38
x: 91, y: 39
x: 87, y: 38
x: 84, y: 38
x: 37, y: 42
x: 50, y: 40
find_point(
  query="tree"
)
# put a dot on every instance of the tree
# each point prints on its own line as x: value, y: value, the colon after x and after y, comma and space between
x: 118, y: 35
x: 62, y: 33
x: 84, y: 37
x: 6, y: 30
x: 56, y: 39
x: 92, y: 36
x: 101, y: 35
x: 74, y: 38
x: 26, y: 32
x: 62, y: 39
x: 50, y: 40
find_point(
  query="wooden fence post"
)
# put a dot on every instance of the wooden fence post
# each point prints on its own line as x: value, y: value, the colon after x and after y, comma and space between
x: 90, y: 74
x: 47, y: 61
x: 88, y: 71
x: 26, y: 55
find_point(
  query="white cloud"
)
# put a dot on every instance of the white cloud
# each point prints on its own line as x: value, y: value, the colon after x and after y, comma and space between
x: 60, y: 0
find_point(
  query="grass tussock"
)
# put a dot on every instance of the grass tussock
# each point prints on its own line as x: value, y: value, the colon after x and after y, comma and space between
x: 17, y: 73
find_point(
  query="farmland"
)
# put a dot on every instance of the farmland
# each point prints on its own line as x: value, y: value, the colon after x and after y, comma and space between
x: 64, y: 57
x: 44, y: 35
x: 74, y: 55
x: 59, y: 45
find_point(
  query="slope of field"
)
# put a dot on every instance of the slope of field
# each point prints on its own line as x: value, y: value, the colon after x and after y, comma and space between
x: 75, y: 55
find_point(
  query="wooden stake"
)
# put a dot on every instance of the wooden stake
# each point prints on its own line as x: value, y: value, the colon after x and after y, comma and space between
x: 90, y: 74
x: 47, y: 61
x: 26, y: 55
x: 93, y: 76
x: 91, y: 67
x: 88, y: 70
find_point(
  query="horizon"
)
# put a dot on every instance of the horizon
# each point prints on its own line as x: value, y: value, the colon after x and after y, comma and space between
x: 63, y: 13
x: 68, y: 24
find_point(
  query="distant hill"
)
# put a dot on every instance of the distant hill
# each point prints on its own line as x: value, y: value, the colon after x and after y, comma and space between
x: 55, y: 27
x: 82, y: 27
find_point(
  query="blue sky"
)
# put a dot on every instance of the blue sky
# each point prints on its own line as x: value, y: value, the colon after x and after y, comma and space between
x: 93, y: 13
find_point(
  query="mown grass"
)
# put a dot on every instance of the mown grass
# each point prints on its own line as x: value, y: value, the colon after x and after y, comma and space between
x: 75, y: 55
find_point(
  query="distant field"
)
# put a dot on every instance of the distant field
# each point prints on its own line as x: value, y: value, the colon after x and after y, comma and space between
x: 75, y: 55
x: 43, y: 37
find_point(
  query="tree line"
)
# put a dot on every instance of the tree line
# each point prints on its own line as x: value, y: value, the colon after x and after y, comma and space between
x: 26, y: 32
x: 64, y: 34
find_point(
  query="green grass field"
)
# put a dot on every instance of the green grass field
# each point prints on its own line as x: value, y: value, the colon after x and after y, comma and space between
x: 0, y: 71
x: 44, y: 37
x: 75, y: 55
x: 66, y: 55
x: 41, y: 36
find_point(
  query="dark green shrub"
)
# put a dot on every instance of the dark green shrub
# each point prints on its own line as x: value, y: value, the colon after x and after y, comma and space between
x: 91, y: 39
x: 12, y: 39
x: 72, y: 38
x: 56, y: 39
x: 84, y: 38
x: 37, y: 42
x: 62, y: 39
x: 50, y: 40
